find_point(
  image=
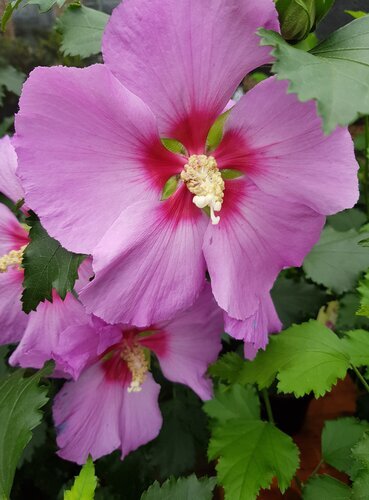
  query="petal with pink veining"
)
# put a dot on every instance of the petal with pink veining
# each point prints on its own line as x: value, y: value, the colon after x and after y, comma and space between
x: 258, y: 235
x: 87, y: 148
x: 85, y: 274
x: 95, y: 416
x: 186, y: 58
x: 188, y: 344
x: 150, y: 264
x: 79, y: 346
x: 9, y: 182
x: 13, y: 320
x: 279, y: 143
x: 12, y: 234
x: 44, y: 329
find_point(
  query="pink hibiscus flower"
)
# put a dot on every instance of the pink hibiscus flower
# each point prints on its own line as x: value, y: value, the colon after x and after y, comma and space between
x: 13, y: 239
x: 114, y: 403
x: 94, y: 167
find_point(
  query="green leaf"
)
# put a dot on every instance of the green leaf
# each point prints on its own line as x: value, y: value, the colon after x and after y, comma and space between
x: 81, y: 29
x: 305, y: 358
x: 356, y: 344
x: 45, y: 5
x: 227, y: 367
x: 296, y: 301
x: 234, y: 402
x: 326, y: 488
x: 11, y: 79
x: 347, y: 318
x: 360, y: 487
x: 8, y: 12
x: 251, y: 453
x: 360, y: 450
x: 360, y: 475
x: 322, y: 8
x: 347, y: 219
x: 184, y: 430
x: 337, y: 260
x: 356, y: 14
x: 20, y: 402
x: 336, y: 68
x: 189, y: 488
x: 47, y: 265
x: 84, y: 484
x: 338, y: 438
x: 363, y: 290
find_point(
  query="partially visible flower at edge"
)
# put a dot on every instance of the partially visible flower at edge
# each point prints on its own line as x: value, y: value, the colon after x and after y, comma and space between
x: 39, y: 331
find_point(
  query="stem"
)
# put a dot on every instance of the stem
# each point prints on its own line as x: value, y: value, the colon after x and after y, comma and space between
x: 268, y: 406
x: 298, y: 482
x: 317, y: 467
x: 361, y: 378
x: 366, y: 166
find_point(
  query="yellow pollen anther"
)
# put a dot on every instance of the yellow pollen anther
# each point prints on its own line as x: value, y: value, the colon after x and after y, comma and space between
x: 138, y: 364
x: 13, y: 258
x: 203, y: 178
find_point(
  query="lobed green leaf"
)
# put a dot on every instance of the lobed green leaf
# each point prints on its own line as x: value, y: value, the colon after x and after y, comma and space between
x: 20, y: 401
x: 336, y: 68
x: 47, y: 266
x: 84, y: 484
x: 81, y: 29
x: 189, y: 488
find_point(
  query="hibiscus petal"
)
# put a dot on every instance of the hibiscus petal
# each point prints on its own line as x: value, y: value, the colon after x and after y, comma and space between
x: 258, y: 235
x: 85, y: 273
x: 87, y: 148
x: 9, y: 182
x: 13, y: 320
x: 12, y: 234
x: 150, y: 264
x: 255, y: 329
x: 278, y: 141
x: 185, y: 59
x: 80, y: 345
x: 45, y: 326
x: 95, y: 416
x: 188, y: 344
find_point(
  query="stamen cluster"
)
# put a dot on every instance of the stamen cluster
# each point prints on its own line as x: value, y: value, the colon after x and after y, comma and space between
x: 203, y: 178
x: 13, y: 258
x: 138, y: 364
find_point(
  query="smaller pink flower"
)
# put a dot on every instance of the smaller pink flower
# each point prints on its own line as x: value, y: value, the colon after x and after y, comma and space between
x: 114, y: 403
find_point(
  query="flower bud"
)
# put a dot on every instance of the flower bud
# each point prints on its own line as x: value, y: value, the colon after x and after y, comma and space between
x: 297, y: 18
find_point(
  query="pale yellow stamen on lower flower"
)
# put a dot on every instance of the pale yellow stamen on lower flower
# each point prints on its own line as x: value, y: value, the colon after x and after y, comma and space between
x: 11, y: 259
x: 138, y: 364
x: 203, y: 178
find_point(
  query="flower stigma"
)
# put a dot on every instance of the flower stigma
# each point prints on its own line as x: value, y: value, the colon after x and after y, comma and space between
x: 203, y: 178
x: 138, y: 364
x: 11, y: 259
